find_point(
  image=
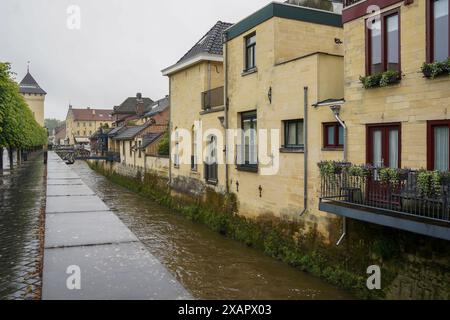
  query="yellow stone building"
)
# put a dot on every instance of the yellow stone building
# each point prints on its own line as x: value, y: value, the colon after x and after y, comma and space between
x: 396, y: 107
x: 83, y: 123
x: 197, y: 111
x: 34, y: 96
x: 280, y: 61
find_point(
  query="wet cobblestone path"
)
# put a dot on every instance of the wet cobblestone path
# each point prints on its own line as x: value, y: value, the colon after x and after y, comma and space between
x: 21, y: 195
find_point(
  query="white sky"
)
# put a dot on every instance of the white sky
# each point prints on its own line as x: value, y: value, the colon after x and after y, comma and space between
x: 120, y: 49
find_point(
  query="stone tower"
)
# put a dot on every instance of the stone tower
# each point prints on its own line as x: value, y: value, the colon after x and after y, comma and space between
x: 34, y: 96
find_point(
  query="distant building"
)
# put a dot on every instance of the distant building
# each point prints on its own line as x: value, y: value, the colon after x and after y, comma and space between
x: 34, y: 96
x: 83, y: 123
x: 132, y: 109
x: 60, y: 135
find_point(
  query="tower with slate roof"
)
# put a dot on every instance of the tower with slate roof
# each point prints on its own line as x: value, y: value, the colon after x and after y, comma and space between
x: 34, y: 96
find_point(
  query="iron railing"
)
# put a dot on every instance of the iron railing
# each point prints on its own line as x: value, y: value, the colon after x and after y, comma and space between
x: 213, y: 98
x: 406, y: 192
x: 351, y: 2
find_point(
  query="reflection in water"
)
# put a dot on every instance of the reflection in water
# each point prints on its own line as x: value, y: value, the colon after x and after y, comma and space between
x: 21, y: 192
x: 207, y: 264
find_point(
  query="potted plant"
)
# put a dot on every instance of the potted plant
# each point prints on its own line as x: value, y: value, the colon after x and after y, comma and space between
x: 390, y: 77
x: 435, y: 69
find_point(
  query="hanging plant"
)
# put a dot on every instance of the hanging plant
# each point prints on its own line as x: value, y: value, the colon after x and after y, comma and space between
x: 435, y: 69
x: 358, y: 171
x: 390, y: 77
x: 329, y: 168
x: 383, y: 79
x: 429, y: 184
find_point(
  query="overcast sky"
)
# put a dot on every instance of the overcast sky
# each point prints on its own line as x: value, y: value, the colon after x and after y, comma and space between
x: 120, y: 49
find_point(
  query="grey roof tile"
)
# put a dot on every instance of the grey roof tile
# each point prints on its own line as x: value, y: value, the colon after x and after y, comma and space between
x: 30, y: 86
x: 131, y: 132
x: 148, y: 139
x: 211, y: 42
x: 158, y: 107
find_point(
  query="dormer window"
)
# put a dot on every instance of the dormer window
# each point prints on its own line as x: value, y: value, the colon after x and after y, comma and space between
x: 383, y: 43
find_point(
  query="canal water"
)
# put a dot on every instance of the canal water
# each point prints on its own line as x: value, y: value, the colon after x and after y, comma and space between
x: 209, y: 265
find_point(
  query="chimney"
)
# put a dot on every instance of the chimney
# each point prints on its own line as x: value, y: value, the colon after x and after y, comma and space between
x: 93, y: 112
x: 70, y: 107
x: 139, y: 104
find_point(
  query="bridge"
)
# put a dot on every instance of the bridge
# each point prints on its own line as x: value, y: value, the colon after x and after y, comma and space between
x: 70, y: 155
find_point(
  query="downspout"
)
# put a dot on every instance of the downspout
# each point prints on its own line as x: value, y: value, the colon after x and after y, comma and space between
x: 170, y: 132
x: 305, y: 164
x: 226, y: 105
x: 336, y: 111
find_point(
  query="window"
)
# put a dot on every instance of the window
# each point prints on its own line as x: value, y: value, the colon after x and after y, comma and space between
x: 78, y: 124
x: 123, y: 148
x: 194, y: 157
x: 131, y: 148
x: 248, y: 151
x: 293, y: 134
x: 333, y: 134
x: 78, y: 133
x: 438, y: 30
x: 438, y: 145
x: 384, y: 145
x: 250, y: 52
x: 383, y: 43
x: 211, y: 161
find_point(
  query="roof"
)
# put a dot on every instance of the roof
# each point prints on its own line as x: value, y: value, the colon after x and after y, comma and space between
x: 92, y: 114
x: 148, y: 139
x: 131, y: 132
x: 158, y: 107
x: 129, y: 105
x: 287, y: 11
x: 209, y: 47
x: 211, y: 42
x: 114, y: 132
x: 30, y: 86
x: 329, y: 102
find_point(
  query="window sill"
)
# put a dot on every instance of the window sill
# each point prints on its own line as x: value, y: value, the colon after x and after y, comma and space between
x: 247, y: 169
x: 332, y: 149
x: 249, y: 71
x: 212, y: 182
x: 292, y: 150
x: 212, y: 110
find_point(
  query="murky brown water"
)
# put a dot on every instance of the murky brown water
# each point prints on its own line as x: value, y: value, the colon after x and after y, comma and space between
x: 209, y: 265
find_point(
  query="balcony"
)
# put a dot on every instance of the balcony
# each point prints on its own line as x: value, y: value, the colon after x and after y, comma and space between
x: 348, y: 3
x: 414, y: 201
x: 213, y: 98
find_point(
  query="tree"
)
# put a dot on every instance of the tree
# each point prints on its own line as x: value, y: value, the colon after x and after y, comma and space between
x: 18, y: 128
x: 52, y: 124
x: 164, y: 145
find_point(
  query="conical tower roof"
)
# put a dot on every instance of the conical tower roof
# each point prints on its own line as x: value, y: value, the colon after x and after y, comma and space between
x: 30, y: 86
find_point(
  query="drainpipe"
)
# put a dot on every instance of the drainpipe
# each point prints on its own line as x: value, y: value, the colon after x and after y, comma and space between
x: 226, y: 105
x: 305, y: 137
x: 170, y: 132
x: 336, y: 111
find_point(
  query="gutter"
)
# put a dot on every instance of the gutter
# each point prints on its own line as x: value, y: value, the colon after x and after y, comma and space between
x: 336, y: 109
x: 226, y: 120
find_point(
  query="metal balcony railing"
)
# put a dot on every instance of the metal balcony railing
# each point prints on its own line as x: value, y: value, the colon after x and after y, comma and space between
x: 213, y: 98
x: 401, y: 192
x: 351, y: 2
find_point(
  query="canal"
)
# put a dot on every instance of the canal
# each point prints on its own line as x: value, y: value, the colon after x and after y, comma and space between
x: 209, y: 265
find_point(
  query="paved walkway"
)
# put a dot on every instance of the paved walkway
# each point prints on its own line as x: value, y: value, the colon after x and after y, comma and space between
x: 81, y: 231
